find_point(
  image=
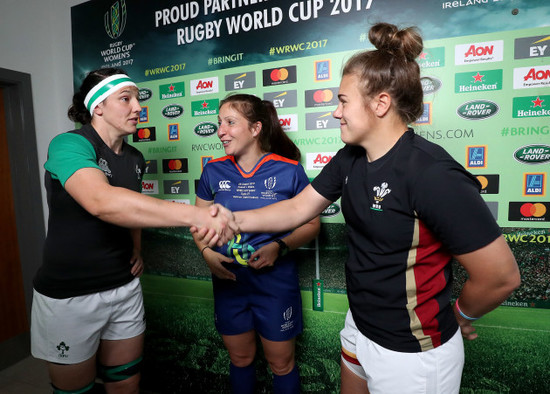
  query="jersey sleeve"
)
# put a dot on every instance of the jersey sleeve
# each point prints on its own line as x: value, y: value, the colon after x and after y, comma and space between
x: 446, y: 198
x: 329, y: 182
x: 301, y: 179
x: 68, y: 153
x: 204, y: 191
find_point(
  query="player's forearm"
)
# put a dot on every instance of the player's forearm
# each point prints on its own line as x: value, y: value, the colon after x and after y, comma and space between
x: 303, y: 234
x: 275, y: 218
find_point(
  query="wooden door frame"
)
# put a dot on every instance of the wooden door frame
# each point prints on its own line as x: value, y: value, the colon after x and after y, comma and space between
x: 27, y: 196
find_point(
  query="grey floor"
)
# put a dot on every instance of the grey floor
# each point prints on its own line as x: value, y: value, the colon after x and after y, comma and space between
x: 28, y: 376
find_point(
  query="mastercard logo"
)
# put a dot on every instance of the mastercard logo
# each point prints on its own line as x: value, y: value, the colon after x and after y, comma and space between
x: 144, y: 133
x: 175, y: 165
x: 279, y: 74
x: 323, y: 96
x: 484, y: 181
x: 535, y: 210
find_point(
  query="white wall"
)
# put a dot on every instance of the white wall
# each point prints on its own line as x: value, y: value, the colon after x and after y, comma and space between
x: 35, y: 38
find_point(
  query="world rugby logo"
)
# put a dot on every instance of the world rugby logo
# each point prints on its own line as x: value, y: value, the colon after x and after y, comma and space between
x: 287, y: 314
x: 115, y: 19
x: 270, y: 182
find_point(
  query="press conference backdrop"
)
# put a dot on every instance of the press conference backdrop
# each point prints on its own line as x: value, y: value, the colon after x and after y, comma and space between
x: 486, y: 80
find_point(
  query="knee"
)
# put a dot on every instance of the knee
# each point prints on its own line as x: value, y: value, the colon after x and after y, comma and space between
x: 241, y: 359
x: 282, y: 365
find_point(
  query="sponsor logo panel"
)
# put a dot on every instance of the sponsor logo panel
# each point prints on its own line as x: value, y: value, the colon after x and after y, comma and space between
x: 284, y: 99
x: 322, y: 70
x: 321, y: 97
x: 529, y: 211
x: 145, y: 134
x: 531, y: 106
x: 317, y: 160
x: 279, y: 76
x: 321, y: 121
x: 534, y: 184
x: 530, y: 47
x: 174, y: 132
x: 172, y: 90
x: 478, y: 81
x: 150, y: 186
x: 205, y: 129
x: 481, y: 52
x: 175, y: 166
x: 204, y: 86
x: 533, y: 154
x: 490, y: 184
x: 532, y: 77
x: 476, y: 156
x: 205, y: 107
x: 240, y: 81
x: 477, y: 109
x: 289, y: 122
x: 176, y: 186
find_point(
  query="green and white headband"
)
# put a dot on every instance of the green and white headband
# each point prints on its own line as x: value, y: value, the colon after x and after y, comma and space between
x: 104, y: 89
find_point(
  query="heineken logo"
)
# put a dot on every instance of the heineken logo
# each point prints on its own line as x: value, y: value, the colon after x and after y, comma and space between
x: 172, y: 111
x: 477, y: 110
x: 144, y: 94
x: 205, y: 129
x: 430, y: 84
x: 332, y: 210
x: 115, y: 19
x: 531, y: 107
x: 533, y: 154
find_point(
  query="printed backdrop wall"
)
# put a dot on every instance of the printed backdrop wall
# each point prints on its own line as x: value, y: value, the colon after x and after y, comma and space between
x: 486, y: 78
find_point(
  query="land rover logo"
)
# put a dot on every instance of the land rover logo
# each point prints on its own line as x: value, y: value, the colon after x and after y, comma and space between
x: 144, y: 94
x: 172, y: 111
x: 206, y: 129
x: 533, y: 154
x: 430, y: 84
x: 477, y: 109
x: 332, y: 210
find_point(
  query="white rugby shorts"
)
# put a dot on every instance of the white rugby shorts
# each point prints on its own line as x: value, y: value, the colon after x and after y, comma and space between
x: 68, y: 331
x: 436, y: 371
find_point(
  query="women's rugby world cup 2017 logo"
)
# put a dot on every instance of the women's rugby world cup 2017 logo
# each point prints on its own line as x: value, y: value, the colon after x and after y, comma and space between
x: 115, y: 19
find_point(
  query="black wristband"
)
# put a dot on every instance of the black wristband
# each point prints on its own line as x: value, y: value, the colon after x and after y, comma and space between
x: 202, y: 250
x: 283, y: 247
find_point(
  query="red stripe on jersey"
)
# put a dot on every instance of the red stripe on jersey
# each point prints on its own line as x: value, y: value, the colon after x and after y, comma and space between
x: 431, y: 259
x: 271, y: 156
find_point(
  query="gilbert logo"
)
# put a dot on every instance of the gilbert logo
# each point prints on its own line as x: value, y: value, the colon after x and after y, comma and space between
x: 115, y: 19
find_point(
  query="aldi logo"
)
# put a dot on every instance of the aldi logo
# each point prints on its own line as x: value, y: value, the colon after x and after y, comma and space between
x: 205, y: 107
x: 144, y: 115
x: 534, y: 184
x: 478, y: 81
x: 321, y: 121
x: 145, y: 134
x: 321, y: 97
x: 531, y: 107
x: 529, y: 211
x: 481, y: 52
x: 279, y: 76
x: 431, y: 58
x: 531, y: 47
x: 285, y: 99
x: 172, y: 90
x: 426, y: 117
x: 476, y: 156
x: 322, y: 70
x: 489, y: 183
x: 174, y: 132
x: 532, y: 77
x: 240, y: 81
x: 204, y: 86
